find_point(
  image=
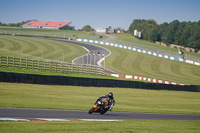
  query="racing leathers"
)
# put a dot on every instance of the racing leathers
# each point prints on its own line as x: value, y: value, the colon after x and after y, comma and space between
x: 110, y: 100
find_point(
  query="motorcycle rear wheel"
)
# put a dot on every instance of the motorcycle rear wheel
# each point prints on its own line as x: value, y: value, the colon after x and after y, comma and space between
x: 103, y: 112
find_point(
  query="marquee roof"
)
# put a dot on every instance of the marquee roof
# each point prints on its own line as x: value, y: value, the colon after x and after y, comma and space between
x: 37, y: 23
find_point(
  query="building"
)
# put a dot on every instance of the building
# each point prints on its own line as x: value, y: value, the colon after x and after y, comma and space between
x: 100, y: 30
x: 119, y: 30
x: 109, y: 30
x: 105, y: 30
x: 36, y: 24
x: 137, y: 34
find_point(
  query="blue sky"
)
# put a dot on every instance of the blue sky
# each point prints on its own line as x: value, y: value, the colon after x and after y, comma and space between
x: 99, y: 13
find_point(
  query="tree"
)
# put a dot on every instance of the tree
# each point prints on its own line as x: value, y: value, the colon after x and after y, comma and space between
x: 170, y: 32
x: 67, y: 27
x: 162, y: 28
x: 194, y: 39
x: 153, y: 34
x: 14, y: 24
x: 137, y: 24
x: 87, y: 28
x: 148, y: 28
x: 181, y: 33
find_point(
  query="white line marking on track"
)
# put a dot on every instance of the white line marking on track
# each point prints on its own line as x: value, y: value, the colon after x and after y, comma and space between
x: 53, y: 119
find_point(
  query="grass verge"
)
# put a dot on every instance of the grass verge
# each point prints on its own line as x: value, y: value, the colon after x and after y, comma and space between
x: 38, y: 48
x: 123, y: 38
x: 82, y: 98
x: 136, y: 126
x: 48, y: 73
x: 49, y: 32
x: 133, y: 63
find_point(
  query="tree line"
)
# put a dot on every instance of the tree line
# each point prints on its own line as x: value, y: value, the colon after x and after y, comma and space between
x: 186, y: 34
x: 14, y: 24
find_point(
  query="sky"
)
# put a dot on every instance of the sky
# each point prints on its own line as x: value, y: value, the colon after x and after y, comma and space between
x: 99, y: 13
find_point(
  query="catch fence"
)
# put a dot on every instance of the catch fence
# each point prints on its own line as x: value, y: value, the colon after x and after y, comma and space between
x: 50, y: 66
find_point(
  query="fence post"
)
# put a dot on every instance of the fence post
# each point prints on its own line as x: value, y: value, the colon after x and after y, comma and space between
x: 44, y: 65
x: 67, y: 68
x: 83, y: 69
x: 7, y: 61
x: 38, y: 64
x: 14, y: 62
x: 26, y: 64
x: 56, y: 66
x: 92, y: 69
x: 20, y: 62
x: 72, y: 69
x: 32, y: 64
x: 0, y: 61
x: 61, y: 66
x: 50, y: 66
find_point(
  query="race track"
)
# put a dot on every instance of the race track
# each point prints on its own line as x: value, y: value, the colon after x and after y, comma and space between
x: 70, y: 114
x: 76, y: 115
x: 95, y: 54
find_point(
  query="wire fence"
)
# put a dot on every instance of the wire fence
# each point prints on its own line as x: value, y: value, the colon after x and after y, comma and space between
x: 50, y: 66
x: 160, y: 51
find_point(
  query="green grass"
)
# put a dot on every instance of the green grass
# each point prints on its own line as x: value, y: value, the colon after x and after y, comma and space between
x: 53, y: 33
x: 129, y: 62
x: 53, y: 73
x: 39, y: 72
x: 123, y: 38
x: 83, y: 98
x: 30, y: 47
x: 121, y: 60
x: 136, y: 126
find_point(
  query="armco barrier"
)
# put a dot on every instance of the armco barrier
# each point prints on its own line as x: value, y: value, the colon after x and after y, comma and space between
x: 75, y: 81
x: 141, y: 51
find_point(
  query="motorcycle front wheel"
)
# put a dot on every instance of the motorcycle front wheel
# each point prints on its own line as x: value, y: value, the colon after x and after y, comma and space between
x: 91, y: 110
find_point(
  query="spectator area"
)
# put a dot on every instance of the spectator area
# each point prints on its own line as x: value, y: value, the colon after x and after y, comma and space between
x: 45, y: 24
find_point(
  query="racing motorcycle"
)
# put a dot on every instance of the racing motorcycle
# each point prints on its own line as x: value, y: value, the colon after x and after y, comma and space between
x: 101, y: 106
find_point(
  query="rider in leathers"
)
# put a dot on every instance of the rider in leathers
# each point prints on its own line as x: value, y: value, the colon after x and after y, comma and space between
x: 110, y: 98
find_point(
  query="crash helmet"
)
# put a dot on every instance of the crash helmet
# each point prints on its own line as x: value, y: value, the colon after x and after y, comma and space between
x: 110, y: 95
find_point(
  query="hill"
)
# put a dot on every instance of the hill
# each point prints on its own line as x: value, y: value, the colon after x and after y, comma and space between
x: 121, y: 60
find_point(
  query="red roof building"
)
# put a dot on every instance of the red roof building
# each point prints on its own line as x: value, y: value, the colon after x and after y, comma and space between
x: 36, y: 24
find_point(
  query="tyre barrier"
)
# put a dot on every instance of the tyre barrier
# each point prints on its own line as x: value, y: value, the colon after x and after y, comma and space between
x: 90, y: 82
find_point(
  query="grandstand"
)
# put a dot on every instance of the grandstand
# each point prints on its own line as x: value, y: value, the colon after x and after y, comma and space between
x: 36, y: 24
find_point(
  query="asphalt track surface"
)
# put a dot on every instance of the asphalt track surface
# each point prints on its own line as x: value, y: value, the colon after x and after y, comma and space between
x: 72, y: 114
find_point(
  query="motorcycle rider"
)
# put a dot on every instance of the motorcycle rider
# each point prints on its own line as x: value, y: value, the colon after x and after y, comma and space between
x: 110, y: 98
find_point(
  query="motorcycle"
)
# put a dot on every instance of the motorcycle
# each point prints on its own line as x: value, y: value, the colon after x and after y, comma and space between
x: 101, y: 106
